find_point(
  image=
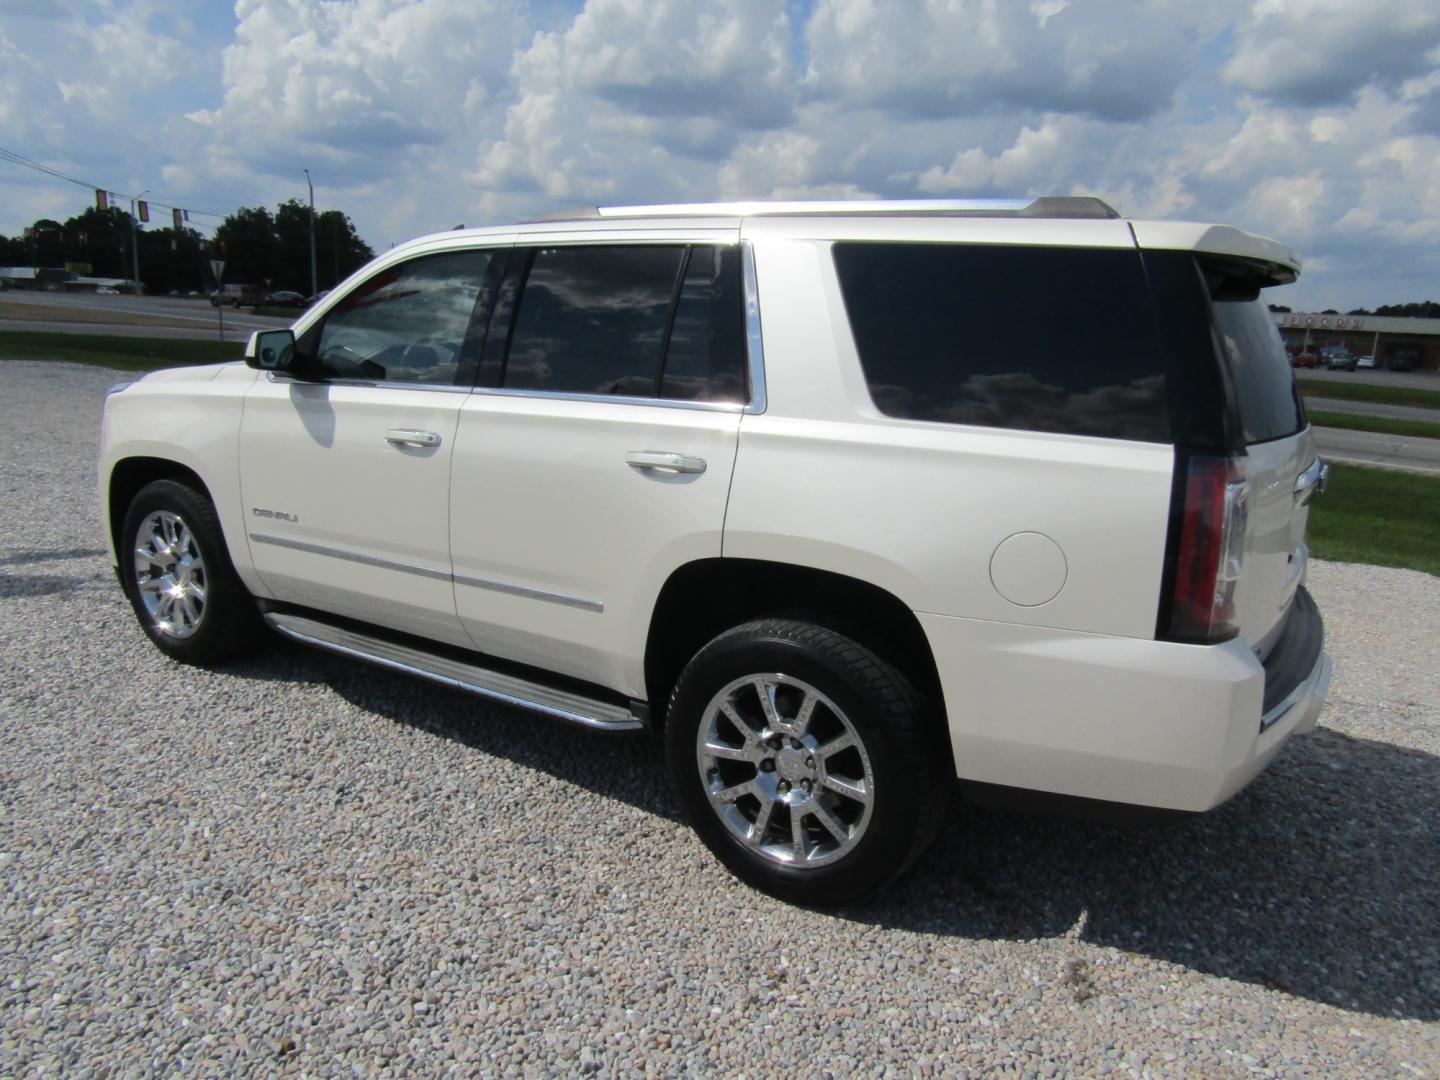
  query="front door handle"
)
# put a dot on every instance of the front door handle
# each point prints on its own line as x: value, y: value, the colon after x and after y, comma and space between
x: 407, y: 437
x: 664, y: 461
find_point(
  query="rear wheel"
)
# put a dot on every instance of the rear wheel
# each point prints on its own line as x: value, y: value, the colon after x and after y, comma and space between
x: 804, y: 761
x: 179, y: 579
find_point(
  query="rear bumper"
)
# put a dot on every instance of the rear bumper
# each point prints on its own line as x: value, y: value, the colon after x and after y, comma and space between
x: 1149, y: 723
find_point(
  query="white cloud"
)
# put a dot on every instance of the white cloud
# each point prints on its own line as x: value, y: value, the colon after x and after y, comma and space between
x: 937, y: 58
x: 1322, y: 52
x: 1312, y: 120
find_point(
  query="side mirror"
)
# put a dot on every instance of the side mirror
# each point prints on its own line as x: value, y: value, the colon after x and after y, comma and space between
x: 271, y: 350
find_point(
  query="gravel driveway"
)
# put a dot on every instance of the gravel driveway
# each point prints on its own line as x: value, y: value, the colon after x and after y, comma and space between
x: 299, y: 864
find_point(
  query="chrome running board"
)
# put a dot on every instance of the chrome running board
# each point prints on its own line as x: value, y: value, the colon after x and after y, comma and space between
x: 495, y: 685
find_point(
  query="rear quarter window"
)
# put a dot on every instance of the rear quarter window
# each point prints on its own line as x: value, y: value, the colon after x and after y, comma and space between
x: 1033, y: 338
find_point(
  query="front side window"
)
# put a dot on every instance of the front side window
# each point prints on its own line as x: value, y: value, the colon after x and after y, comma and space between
x: 1034, y: 338
x: 407, y: 323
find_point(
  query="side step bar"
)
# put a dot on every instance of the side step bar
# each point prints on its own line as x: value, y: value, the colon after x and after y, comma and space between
x: 496, y: 685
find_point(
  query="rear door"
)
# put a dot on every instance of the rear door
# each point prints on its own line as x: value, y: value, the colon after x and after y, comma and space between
x: 596, y: 455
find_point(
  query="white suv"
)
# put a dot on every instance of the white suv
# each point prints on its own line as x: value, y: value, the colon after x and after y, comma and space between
x: 849, y: 500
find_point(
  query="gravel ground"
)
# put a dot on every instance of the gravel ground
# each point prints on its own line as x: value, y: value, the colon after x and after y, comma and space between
x: 303, y: 865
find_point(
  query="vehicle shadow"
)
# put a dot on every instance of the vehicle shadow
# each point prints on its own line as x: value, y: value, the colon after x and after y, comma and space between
x: 1321, y: 880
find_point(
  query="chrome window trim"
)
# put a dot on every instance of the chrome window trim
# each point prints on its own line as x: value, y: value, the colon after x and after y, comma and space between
x: 754, y: 343
x: 528, y: 593
x: 428, y: 572
x: 383, y: 384
x: 611, y: 399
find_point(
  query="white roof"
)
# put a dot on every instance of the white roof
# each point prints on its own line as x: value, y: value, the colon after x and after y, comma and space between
x: 1065, y: 220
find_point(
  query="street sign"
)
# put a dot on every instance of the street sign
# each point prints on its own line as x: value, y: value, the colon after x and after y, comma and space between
x: 217, y: 267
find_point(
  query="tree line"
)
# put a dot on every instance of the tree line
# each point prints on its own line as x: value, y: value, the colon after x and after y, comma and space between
x: 1423, y: 309
x: 260, y: 248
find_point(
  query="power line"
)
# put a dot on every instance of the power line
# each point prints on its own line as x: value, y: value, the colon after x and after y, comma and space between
x: 21, y: 160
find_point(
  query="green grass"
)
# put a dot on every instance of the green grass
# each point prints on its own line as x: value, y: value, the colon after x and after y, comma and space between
x: 121, y: 353
x: 1385, y: 425
x: 1379, y: 516
x: 1381, y: 395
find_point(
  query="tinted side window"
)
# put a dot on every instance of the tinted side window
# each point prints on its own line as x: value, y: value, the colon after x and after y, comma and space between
x: 405, y: 324
x: 1265, y: 393
x: 705, y: 355
x: 1037, y: 338
x: 592, y: 320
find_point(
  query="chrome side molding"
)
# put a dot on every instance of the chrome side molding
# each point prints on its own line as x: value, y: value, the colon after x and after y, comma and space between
x: 472, y: 678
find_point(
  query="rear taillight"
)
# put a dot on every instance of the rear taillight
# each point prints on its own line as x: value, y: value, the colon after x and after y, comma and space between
x: 1207, y: 547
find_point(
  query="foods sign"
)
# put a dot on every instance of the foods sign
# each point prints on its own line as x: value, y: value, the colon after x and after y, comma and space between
x: 1323, y: 322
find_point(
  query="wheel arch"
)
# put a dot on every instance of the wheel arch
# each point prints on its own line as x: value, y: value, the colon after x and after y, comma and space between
x: 129, y: 475
x: 704, y: 598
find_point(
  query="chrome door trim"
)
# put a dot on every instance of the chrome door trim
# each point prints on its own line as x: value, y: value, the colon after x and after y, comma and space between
x: 528, y: 593
x: 428, y: 572
x: 350, y: 556
x: 754, y: 342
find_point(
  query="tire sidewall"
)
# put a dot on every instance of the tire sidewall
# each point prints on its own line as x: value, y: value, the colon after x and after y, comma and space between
x: 889, y: 837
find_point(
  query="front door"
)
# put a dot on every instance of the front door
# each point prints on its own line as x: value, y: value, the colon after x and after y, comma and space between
x: 345, y: 471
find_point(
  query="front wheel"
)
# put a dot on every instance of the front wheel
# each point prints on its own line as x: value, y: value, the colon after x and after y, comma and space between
x: 805, y: 762
x: 179, y: 579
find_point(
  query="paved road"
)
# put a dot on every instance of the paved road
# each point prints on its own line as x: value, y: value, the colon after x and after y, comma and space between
x: 132, y: 316
x: 1369, y: 448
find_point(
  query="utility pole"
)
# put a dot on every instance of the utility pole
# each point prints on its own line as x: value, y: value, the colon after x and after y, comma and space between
x: 314, y: 282
x: 134, y: 245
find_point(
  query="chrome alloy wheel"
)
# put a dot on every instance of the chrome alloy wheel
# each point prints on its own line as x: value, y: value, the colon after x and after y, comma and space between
x: 785, y: 770
x: 170, y: 574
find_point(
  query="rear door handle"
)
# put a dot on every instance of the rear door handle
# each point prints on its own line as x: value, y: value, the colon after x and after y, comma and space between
x: 664, y: 461
x: 406, y: 437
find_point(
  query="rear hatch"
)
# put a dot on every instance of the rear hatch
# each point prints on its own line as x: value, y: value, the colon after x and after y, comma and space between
x: 1278, y: 465
x: 1245, y: 465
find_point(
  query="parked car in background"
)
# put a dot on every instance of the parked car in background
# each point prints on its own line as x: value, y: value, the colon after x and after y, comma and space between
x: 1338, y: 359
x: 237, y: 295
x: 1305, y: 359
x: 1402, y: 357
x: 286, y: 298
x: 1366, y: 361
x: 780, y: 482
x: 106, y: 290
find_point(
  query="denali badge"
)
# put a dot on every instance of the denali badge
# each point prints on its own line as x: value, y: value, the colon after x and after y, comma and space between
x: 278, y: 515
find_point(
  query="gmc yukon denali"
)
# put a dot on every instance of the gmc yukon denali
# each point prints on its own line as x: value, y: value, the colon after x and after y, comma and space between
x: 844, y: 500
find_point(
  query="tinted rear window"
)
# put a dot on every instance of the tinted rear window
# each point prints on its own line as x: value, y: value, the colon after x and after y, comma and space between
x: 592, y: 320
x: 1265, y: 394
x: 1037, y: 338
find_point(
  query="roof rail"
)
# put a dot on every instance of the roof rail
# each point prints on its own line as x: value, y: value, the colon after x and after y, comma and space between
x: 1053, y: 206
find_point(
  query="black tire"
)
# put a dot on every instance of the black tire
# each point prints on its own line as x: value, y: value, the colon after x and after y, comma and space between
x: 228, y: 623
x: 910, y: 767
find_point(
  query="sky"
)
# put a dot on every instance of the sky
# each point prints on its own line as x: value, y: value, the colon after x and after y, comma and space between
x: 1316, y: 122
